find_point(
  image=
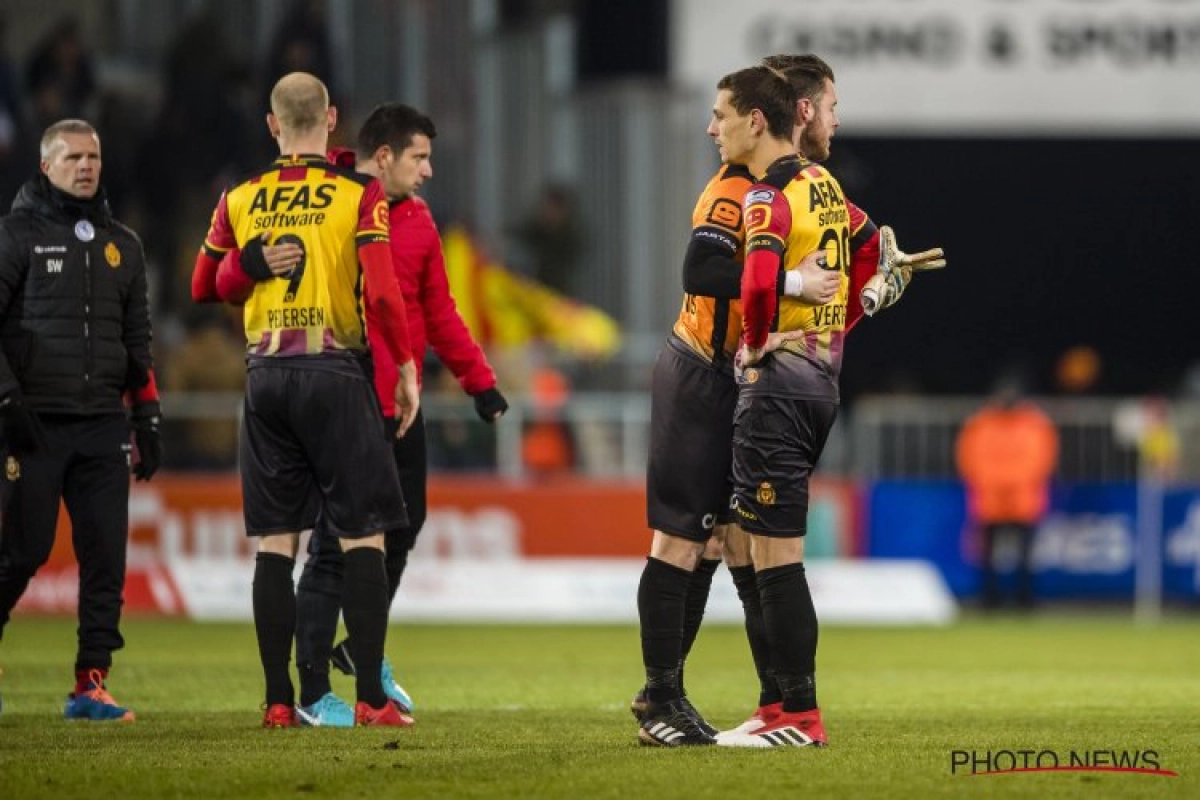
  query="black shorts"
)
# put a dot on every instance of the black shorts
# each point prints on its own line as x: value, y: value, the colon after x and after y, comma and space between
x: 776, y: 444
x: 691, y: 427
x: 313, y: 443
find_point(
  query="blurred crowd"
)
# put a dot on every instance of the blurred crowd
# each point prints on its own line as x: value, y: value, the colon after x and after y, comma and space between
x: 165, y: 164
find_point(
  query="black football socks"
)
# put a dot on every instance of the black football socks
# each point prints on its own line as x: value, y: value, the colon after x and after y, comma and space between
x: 746, y: 583
x: 662, y: 595
x: 274, y: 600
x: 365, y: 608
x: 791, y: 624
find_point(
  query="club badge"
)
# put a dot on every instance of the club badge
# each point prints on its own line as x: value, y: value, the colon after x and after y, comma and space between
x: 84, y: 231
x: 12, y: 469
x: 766, y: 494
x: 112, y: 254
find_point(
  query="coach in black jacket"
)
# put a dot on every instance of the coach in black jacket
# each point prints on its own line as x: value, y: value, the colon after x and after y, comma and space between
x: 74, y: 353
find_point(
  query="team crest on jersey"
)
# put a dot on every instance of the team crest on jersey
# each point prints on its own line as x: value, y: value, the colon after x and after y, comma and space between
x: 381, y: 215
x: 112, y: 254
x: 766, y: 494
x: 758, y: 218
x: 12, y: 469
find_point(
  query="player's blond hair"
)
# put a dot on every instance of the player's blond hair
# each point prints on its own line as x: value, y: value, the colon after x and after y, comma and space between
x: 299, y: 101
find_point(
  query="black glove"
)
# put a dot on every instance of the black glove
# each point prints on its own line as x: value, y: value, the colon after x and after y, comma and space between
x: 22, y: 432
x: 149, y: 445
x: 254, y: 263
x: 490, y: 404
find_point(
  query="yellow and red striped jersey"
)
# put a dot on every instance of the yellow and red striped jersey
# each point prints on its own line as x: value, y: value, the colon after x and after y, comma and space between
x: 329, y: 211
x: 797, y: 208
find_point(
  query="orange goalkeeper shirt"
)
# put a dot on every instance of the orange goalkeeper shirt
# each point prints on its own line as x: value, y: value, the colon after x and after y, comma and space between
x: 712, y: 325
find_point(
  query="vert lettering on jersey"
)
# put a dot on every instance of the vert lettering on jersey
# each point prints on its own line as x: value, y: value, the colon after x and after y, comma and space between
x: 710, y: 326
x: 328, y: 211
x: 798, y: 208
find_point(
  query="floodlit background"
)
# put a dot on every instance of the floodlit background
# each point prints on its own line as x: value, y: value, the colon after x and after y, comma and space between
x: 1052, y: 147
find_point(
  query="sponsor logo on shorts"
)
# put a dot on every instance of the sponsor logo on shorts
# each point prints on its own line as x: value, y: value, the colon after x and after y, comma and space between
x: 751, y: 376
x: 766, y: 494
x: 708, y: 521
x: 741, y: 512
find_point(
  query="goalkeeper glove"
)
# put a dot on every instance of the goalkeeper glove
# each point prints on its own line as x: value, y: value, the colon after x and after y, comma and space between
x: 894, y: 272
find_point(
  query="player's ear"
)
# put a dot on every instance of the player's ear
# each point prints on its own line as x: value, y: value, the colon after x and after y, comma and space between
x: 382, y: 155
x: 273, y: 125
x: 804, y: 110
x: 758, y: 122
x: 331, y: 118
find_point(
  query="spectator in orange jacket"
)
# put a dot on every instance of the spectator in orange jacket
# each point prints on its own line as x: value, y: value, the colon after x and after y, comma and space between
x: 1007, y: 453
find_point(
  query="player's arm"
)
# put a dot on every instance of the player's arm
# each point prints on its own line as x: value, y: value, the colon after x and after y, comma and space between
x: 447, y: 333
x: 217, y: 243
x: 864, y: 259
x: 258, y: 261
x: 894, y: 271
x: 712, y: 266
x: 768, y: 222
x: 385, y: 303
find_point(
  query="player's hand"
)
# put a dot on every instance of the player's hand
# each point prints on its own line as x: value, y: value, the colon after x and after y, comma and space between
x: 263, y: 261
x: 821, y: 284
x: 490, y: 405
x: 892, y: 257
x: 408, y: 398
x: 894, y: 272
x: 149, y: 444
x: 748, y: 356
x: 22, y: 431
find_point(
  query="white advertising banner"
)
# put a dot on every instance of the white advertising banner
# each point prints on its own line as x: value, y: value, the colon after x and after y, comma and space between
x: 872, y: 592
x: 982, y: 67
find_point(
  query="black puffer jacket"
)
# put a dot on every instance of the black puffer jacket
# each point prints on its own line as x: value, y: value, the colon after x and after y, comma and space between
x: 74, y: 312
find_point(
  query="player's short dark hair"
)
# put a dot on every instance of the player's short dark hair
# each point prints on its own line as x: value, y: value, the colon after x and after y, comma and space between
x: 394, y: 125
x: 807, y: 72
x: 766, y: 89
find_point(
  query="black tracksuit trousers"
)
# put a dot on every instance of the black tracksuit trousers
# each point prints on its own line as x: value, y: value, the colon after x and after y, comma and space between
x: 84, y: 464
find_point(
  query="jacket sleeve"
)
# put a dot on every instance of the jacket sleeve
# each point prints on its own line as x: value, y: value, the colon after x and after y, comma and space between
x: 13, y: 267
x: 444, y: 327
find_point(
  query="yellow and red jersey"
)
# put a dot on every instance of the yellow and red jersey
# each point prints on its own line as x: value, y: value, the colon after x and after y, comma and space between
x: 798, y: 208
x: 330, y: 211
x: 711, y: 325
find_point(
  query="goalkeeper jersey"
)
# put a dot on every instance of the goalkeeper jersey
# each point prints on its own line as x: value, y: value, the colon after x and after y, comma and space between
x: 712, y: 325
x: 329, y: 211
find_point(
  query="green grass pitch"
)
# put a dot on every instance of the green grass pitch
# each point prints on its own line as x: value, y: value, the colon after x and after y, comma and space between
x: 541, y: 711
